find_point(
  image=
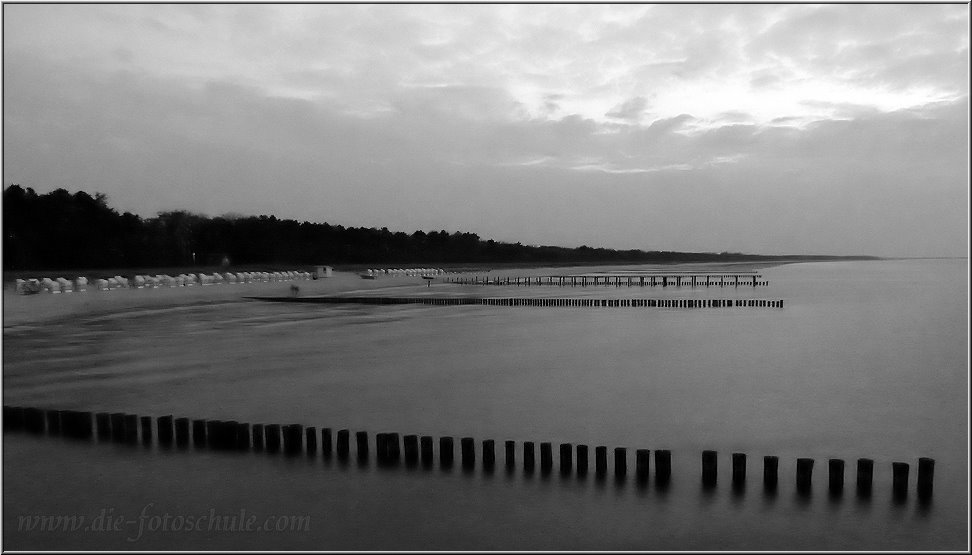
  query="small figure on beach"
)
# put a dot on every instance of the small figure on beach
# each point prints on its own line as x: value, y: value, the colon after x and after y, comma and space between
x: 294, y: 291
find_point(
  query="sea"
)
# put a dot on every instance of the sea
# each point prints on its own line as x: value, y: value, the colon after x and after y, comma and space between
x: 866, y: 359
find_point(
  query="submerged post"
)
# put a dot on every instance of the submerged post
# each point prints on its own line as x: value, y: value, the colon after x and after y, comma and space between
x: 771, y: 465
x: 529, y: 460
x: 510, y: 454
x: 738, y: 469
x: 546, y: 457
x: 468, y: 447
x: 663, y: 466
x: 865, y: 476
x: 600, y: 461
x: 446, y: 451
x: 489, y: 455
x: 709, y: 468
x: 428, y: 453
x: 582, y: 460
x: 566, y: 458
x: 926, y: 477
x: 642, y: 466
x: 804, y: 475
x: 899, y: 486
x: 836, y: 475
x: 620, y: 462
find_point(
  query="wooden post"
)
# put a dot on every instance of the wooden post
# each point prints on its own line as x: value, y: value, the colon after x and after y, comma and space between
x: 582, y: 460
x: 311, y: 439
x: 272, y: 438
x: 709, y: 468
x: 446, y: 451
x: 899, y: 471
x: 361, y: 441
x: 566, y: 458
x: 865, y: 476
x: 103, y: 422
x: 53, y: 422
x: 804, y: 475
x: 131, y: 428
x: 489, y: 455
x: 243, y: 436
x: 836, y: 476
x: 468, y: 448
x: 13, y: 418
x: 620, y: 462
x: 642, y: 465
x: 146, y: 430
x: 738, y: 470
x: 198, y: 432
x: 546, y: 457
x: 510, y: 454
x: 529, y: 460
x: 770, y: 472
x: 411, y: 450
x: 182, y: 431
x: 663, y: 466
x: 164, y: 425
x: 926, y: 477
x: 600, y: 461
x: 343, y: 447
x: 293, y: 437
x: 326, y: 443
x: 258, y: 436
x: 428, y: 454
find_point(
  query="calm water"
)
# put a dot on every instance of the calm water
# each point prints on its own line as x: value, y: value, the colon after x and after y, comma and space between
x: 868, y: 359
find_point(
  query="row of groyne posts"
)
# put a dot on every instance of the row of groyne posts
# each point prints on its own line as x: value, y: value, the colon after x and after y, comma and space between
x: 391, y: 449
x: 620, y: 280
x: 537, y: 302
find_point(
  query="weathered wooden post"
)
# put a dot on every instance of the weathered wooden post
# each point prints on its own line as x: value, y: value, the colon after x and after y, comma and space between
x: 103, y: 423
x: 131, y: 428
x: 428, y: 454
x: 146, y: 430
x: 600, y: 461
x: 272, y: 438
x: 446, y: 451
x: 582, y: 460
x: 566, y: 458
x: 899, y: 472
x: 865, y: 476
x: 343, y: 444
x: 738, y: 470
x: 54, y: 422
x: 620, y: 462
x: 489, y: 455
x: 198, y: 432
x: 326, y: 443
x: 771, y: 465
x: 468, y: 447
x: 293, y: 437
x: 546, y: 457
x: 13, y: 418
x: 529, y: 460
x: 258, y: 436
x: 836, y: 476
x: 412, y: 449
x: 510, y: 454
x: 709, y: 468
x: 182, y: 431
x: 642, y: 465
x: 164, y: 425
x: 361, y: 441
x: 663, y: 466
x: 804, y: 475
x: 311, y: 440
x: 243, y: 436
x: 926, y: 477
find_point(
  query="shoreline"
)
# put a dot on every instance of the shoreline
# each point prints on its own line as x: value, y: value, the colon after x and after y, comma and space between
x: 38, y: 309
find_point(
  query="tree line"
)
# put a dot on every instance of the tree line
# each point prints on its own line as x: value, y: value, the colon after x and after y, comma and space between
x: 60, y: 230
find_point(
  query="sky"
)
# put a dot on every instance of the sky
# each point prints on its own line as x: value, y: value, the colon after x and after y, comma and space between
x: 772, y: 129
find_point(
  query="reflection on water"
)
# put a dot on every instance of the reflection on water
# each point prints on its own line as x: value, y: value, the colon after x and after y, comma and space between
x: 867, y: 359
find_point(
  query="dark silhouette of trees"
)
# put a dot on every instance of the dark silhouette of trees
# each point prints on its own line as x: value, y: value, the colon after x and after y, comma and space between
x: 59, y: 230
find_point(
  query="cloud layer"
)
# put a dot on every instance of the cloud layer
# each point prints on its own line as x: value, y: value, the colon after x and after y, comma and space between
x: 777, y: 129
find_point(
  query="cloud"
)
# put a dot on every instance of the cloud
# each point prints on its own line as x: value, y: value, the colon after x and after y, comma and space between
x: 631, y: 109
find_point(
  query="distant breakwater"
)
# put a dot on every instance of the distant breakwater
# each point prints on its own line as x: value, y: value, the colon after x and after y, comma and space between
x: 534, y: 302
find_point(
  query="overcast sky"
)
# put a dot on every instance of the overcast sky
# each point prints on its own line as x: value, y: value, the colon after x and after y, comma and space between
x: 833, y: 129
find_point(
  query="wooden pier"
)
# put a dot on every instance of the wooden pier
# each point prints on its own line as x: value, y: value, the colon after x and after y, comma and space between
x: 534, y: 302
